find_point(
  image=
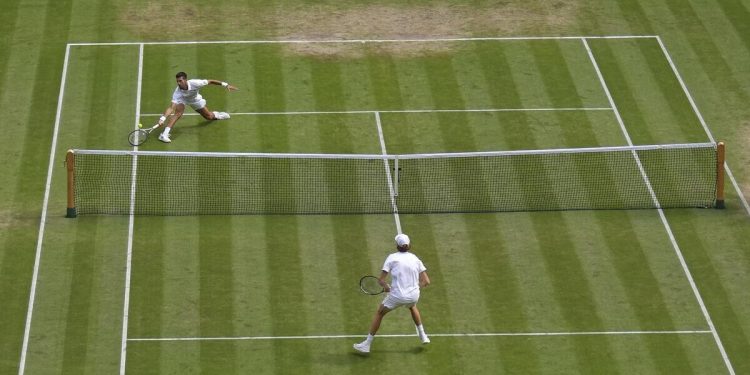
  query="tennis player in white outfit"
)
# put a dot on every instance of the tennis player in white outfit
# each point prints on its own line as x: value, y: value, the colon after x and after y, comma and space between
x: 187, y: 93
x: 408, y: 275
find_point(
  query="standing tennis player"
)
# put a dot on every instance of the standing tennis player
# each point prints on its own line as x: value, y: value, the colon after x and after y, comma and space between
x: 187, y: 93
x: 408, y: 274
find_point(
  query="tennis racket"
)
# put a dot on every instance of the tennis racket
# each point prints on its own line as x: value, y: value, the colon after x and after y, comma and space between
x: 370, y: 285
x: 139, y: 136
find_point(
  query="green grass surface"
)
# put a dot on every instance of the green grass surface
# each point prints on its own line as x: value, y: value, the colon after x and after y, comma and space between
x: 226, y: 276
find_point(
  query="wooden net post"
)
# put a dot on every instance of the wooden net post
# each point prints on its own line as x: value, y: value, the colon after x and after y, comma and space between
x: 720, y: 157
x: 70, y: 161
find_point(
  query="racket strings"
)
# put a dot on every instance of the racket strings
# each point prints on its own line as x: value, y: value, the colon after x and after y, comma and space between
x: 370, y: 285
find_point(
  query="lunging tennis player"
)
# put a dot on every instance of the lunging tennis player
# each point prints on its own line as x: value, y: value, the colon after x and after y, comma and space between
x: 187, y: 93
x: 408, y: 274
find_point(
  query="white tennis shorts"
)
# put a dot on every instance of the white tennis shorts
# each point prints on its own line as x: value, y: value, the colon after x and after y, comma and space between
x: 196, y: 105
x: 392, y: 302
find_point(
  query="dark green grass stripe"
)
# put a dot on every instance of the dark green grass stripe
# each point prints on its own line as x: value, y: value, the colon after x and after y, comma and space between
x: 622, y: 94
x: 78, y: 315
x: 571, y: 289
x: 347, y: 259
x: 76, y: 330
x: 17, y: 265
x: 215, y: 244
x: 496, y: 274
x: 710, y: 56
x: 434, y: 303
x: 648, y: 303
x: 738, y: 15
x: 384, y: 80
x: 446, y: 93
x: 715, y: 295
x: 14, y: 288
x: 577, y: 128
x: 445, y: 88
x: 269, y: 79
x: 147, y: 285
x: 7, y: 30
x: 216, y: 292
x: 286, y: 293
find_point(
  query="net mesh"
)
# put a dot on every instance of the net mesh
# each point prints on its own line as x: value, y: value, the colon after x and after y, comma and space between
x: 168, y: 183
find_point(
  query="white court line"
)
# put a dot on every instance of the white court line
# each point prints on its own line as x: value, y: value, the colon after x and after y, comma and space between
x: 663, y: 218
x: 388, y: 173
x: 702, y: 121
x: 43, y: 219
x: 399, y: 111
x: 131, y: 223
x: 405, y: 40
x: 479, y: 334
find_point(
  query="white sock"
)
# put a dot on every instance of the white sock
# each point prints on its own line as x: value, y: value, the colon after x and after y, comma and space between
x: 420, y: 330
x: 166, y: 130
x: 369, y: 338
x: 216, y: 115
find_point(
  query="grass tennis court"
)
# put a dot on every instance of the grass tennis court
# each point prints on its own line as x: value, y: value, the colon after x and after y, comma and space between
x: 557, y: 292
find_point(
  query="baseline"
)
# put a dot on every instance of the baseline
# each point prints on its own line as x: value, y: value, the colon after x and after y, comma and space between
x: 476, y: 334
x: 405, y: 40
x: 398, y: 111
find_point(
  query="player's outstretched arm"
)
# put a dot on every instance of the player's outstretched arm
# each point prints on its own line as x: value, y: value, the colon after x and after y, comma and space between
x: 166, y: 114
x: 223, y: 84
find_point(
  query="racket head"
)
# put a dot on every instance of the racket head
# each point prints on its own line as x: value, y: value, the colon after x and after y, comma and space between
x: 370, y: 285
x: 137, y: 137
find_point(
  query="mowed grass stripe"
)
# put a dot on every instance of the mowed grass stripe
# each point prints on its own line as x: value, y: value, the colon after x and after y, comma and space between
x: 347, y: 239
x: 558, y: 253
x: 215, y: 244
x: 147, y: 283
x: 384, y: 80
x: 456, y: 134
x: 83, y: 289
x: 737, y: 14
x: 74, y: 355
x: 723, y: 273
x: 18, y: 63
x: 625, y: 263
x: 709, y: 33
x: 655, y: 311
x: 181, y: 313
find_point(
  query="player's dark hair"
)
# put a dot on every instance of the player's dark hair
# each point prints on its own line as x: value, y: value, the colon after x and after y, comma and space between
x: 181, y: 74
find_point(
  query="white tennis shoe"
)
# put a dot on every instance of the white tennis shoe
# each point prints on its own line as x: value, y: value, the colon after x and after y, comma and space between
x: 425, y: 339
x: 221, y: 115
x: 362, y: 347
x: 164, y: 138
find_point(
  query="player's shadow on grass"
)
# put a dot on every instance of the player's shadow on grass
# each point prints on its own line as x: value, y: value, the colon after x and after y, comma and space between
x: 412, y: 350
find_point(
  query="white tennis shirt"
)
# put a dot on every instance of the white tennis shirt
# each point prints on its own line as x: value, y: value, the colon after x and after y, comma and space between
x: 191, y: 95
x: 404, y: 269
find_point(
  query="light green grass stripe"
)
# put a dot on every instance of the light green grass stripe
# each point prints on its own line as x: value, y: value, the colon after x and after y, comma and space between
x: 710, y: 36
x: 180, y: 302
x: 723, y: 271
x: 74, y: 355
x: 216, y: 293
x: 148, y: 279
x: 15, y: 266
x: 215, y: 245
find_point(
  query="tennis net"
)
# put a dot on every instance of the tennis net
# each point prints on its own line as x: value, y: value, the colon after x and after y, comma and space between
x: 193, y: 183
